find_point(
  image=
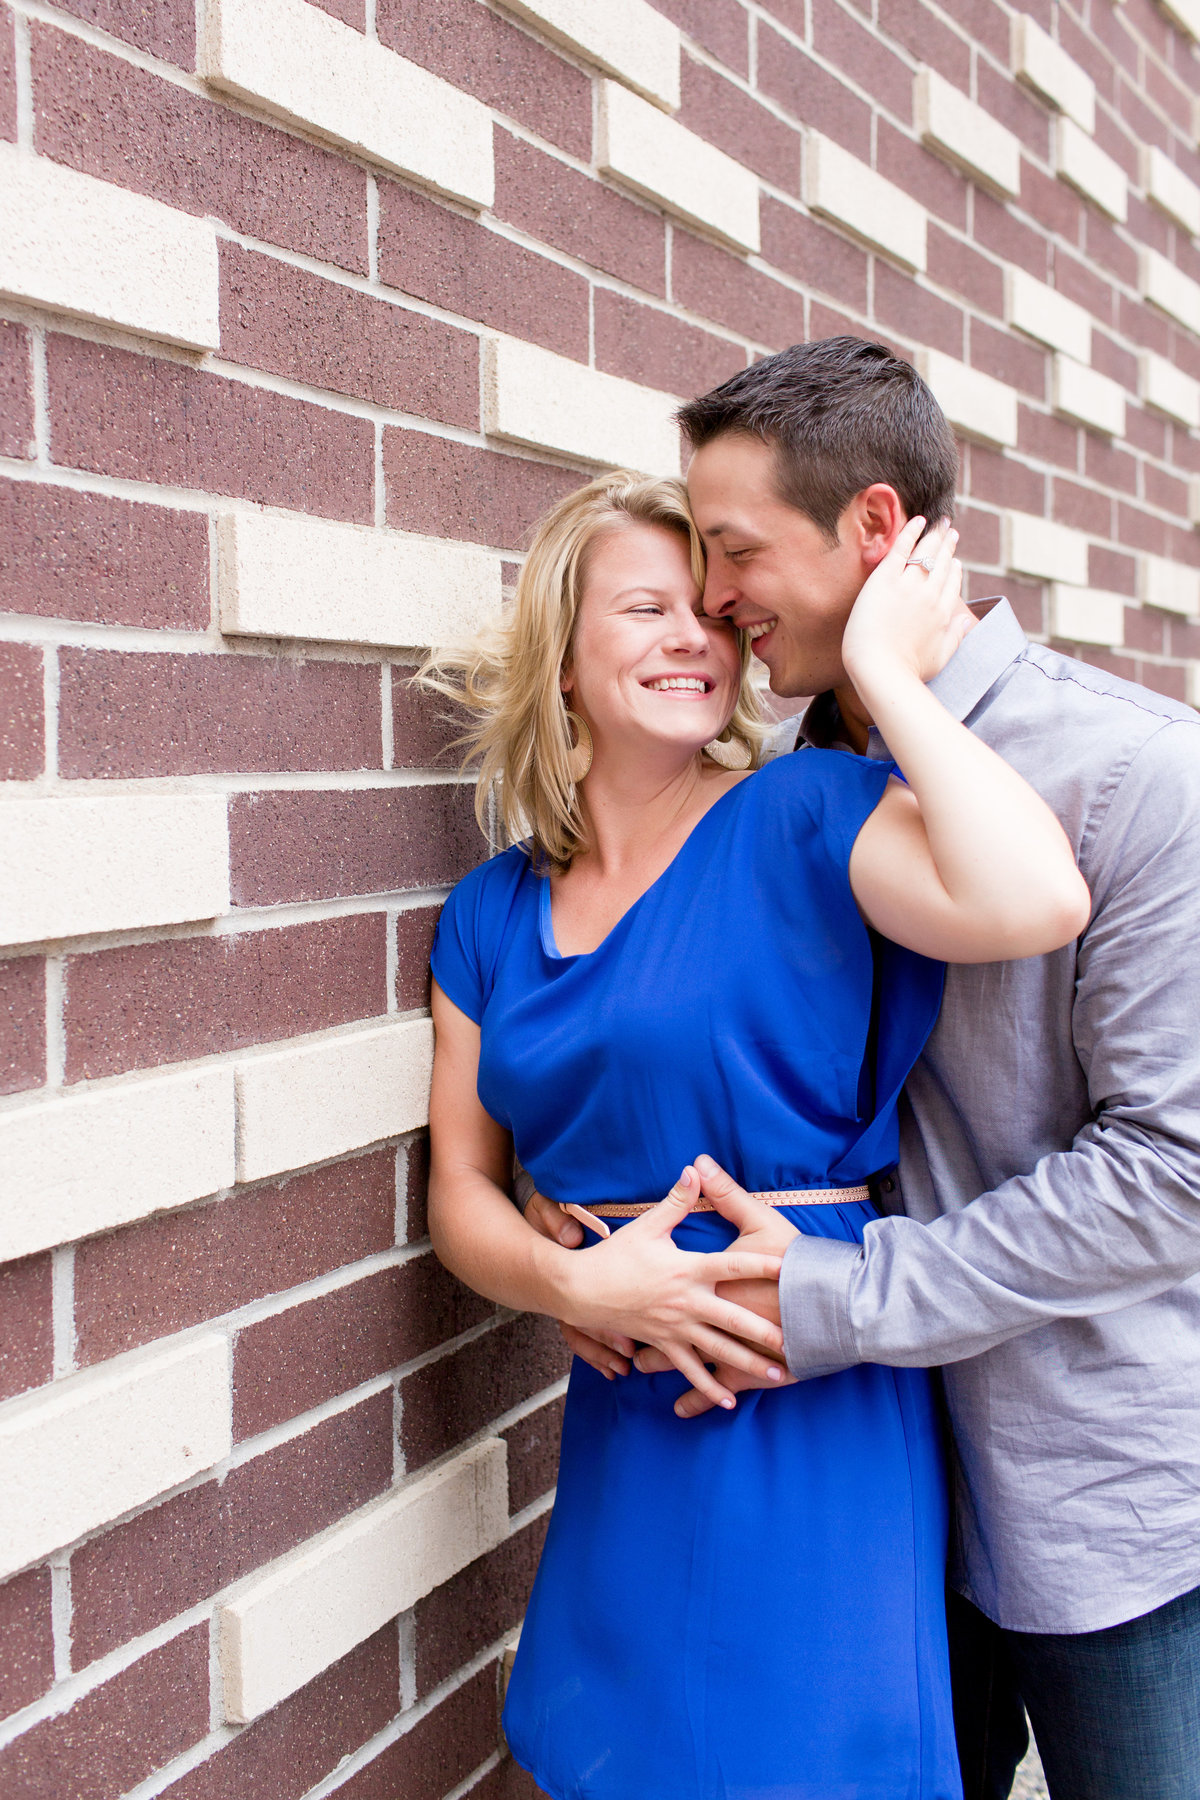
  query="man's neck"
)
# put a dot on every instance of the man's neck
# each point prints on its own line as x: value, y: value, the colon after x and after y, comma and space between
x: 856, y: 721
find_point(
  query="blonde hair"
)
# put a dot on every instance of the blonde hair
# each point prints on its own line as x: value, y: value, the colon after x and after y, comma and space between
x: 508, y: 676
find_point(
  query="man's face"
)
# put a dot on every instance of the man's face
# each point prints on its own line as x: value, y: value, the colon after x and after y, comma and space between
x: 770, y: 568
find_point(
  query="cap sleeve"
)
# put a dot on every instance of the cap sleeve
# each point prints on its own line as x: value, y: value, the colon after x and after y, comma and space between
x: 466, y: 942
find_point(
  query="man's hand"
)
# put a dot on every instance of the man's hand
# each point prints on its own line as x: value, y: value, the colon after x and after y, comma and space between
x: 761, y: 1228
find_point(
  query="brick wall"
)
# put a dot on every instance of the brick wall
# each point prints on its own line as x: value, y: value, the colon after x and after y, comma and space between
x: 308, y: 311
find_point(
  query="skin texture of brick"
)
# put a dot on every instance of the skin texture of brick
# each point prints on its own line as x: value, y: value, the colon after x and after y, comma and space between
x: 70, y: 555
x: 287, y: 1364
x: 164, y: 1274
x: 26, y: 1640
x: 439, y: 1752
x: 143, y: 714
x: 551, y: 201
x: 16, y: 389
x: 147, y: 419
x: 173, y: 1556
x: 414, y: 940
x: 315, y: 846
x: 646, y: 345
x: 446, y: 1402
x: 116, y: 1735
x: 107, y: 118
x: 277, y: 317
x: 482, y: 1603
x: 22, y: 1023
x: 740, y: 125
x: 27, y: 1342
x: 166, y: 29
x: 146, y: 1004
x: 22, y: 712
x: 456, y: 491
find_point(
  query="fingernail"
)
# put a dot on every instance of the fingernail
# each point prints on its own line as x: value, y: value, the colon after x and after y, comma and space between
x: 685, y: 1180
x: 729, y: 1404
x: 774, y: 1374
x: 704, y: 1163
x: 615, y: 1369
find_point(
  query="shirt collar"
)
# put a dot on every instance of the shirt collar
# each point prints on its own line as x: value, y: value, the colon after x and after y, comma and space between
x: 978, y: 663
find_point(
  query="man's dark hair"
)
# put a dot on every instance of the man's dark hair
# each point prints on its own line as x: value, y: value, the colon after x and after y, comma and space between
x: 840, y: 413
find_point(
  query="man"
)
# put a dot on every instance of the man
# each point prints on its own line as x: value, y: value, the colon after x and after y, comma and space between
x: 1049, y: 1245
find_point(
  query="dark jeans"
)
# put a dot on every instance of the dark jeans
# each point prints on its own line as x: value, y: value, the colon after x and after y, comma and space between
x: 1116, y: 1713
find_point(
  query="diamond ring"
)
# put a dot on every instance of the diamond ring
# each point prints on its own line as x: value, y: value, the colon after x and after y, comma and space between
x: 921, y: 562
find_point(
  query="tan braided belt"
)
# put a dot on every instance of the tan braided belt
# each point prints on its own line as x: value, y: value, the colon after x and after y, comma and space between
x: 593, y: 1216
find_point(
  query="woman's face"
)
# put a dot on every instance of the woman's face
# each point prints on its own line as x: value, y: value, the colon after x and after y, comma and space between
x: 647, y: 663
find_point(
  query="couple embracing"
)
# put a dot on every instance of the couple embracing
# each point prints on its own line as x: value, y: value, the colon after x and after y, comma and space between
x: 905, y: 1020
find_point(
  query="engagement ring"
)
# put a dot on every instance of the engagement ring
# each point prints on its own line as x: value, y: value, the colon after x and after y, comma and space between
x: 921, y: 562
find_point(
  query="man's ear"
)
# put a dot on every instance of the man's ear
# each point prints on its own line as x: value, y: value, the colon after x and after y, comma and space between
x: 873, y: 521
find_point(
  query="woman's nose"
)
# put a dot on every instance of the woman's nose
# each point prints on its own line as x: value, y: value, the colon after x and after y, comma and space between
x: 689, y: 632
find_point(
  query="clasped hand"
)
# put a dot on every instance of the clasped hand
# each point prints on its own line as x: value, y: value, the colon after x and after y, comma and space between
x: 688, y: 1311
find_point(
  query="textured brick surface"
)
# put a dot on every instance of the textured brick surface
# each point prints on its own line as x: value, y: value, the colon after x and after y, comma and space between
x: 804, y: 248
x: 70, y: 555
x: 151, y: 420
x: 644, y: 344
x: 533, y: 1455
x: 720, y: 26
x: 439, y: 1752
x: 310, y: 846
x: 424, y: 726
x: 277, y: 317
x: 162, y: 1275
x: 27, y: 1341
x: 173, y: 1556
x: 116, y: 1735
x: 16, y: 391
x: 289, y: 1363
x: 486, y: 1601
x: 22, y: 1023
x: 8, y: 76
x: 550, y: 201
x: 448, y: 1401
x: 22, y: 712
x: 812, y: 95
x: 26, y: 1639
x: 414, y: 940
x: 103, y: 116
x: 718, y: 286
x: 148, y: 714
x: 456, y: 491
x: 166, y: 29
x: 742, y: 126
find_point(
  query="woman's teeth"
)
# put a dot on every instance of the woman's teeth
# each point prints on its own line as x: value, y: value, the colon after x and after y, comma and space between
x: 687, y: 684
x: 760, y: 630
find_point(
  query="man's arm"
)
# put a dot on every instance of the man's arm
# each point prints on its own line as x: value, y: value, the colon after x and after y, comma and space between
x: 1114, y: 1219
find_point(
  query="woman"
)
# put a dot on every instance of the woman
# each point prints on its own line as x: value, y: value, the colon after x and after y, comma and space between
x: 675, y: 956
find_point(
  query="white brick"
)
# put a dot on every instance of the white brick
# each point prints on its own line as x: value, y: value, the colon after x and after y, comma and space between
x: 1168, y: 288
x: 966, y: 133
x: 87, y: 1449
x: 1087, y: 168
x: 1035, y: 546
x: 1186, y: 14
x: 625, y: 38
x: 85, y: 247
x: 301, y: 64
x: 92, y: 1159
x: 1091, y: 398
x: 1170, y: 189
x: 532, y: 396
x: 1087, y: 616
x: 1168, y: 390
x: 1170, y: 586
x: 845, y: 190
x: 73, y: 866
x: 309, y: 578
x: 657, y: 157
x: 316, y: 1100
x: 311, y: 1607
x: 1045, y: 66
x: 977, y: 404
x: 1045, y: 314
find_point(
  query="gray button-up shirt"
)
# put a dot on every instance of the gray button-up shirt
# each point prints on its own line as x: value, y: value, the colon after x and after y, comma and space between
x: 1050, y: 1166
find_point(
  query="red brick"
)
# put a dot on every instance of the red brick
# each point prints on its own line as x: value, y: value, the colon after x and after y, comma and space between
x: 447, y: 1401
x: 27, y: 1342
x: 1008, y: 357
x: 721, y: 287
x: 16, y: 392
x: 1014, y: 106
x: 1147, y: 225
x: 175, y: 1555
x: 165, y: 1274
x: 1112, y: 359
x: 317, y: 845
x: 417, y: 1188
x: 166, y: 29
x: 1081, y: 284
x: 22, y: 1023
x: 1108, y: 464
x: 1185, y: 638
x: 1186, y: 354
x: 439, y: 1752
x: 654, y: 347
x: 720, y: 26
x: 804, y: 248
x: 575, y: 213
x: 926, y: 38
x: 1001, y: 232
x: 955, y: 265
x: 1145, y: 630
x: 145, y: 1004
x: 1088, y: 53
x: 1141, y: 119
x: 26, y: 1640
x: 1110, y: 251
x: 1140, y: 530
x: 100, y: 114
x: 1145, y: 326
x: 414, y: 940
x: 1165, y: 92
x: 491, y: 58
x: 1163, y: 679
x: 282, y: 1755
x: 1047, y: 438
x: 1111, y: 570
x: 1054, y: 205
x: 1123, y: 666
x: 1148, y: 23
x: 979, y: 536
x: 824, y: 322
x: 507, y: 1781
x: 483, y: 1603
x: 8, y: 76
x: 147, y: 419
x: 902, y: 306
x: 740, y: 125
x: 119, y: 1733
x: 444, y: 489
x: 150, y: 713
x: 350, y: 12
x: 858, y: 51
x: 1164, y: 490
x: 287, y: 1364
x: 424, y: 726
x: 440, y: 256
x: 283, y: 319
x: 811, y: 94
x: 1083, y: 508
x: 939, y: 188
x: 1183, y: 545
x: 1145, y: 431
x: 22, y: 712
x: 70, y: 555
x: 1027, y: 599
x: 533, y: 1455
x: 1002, y: 480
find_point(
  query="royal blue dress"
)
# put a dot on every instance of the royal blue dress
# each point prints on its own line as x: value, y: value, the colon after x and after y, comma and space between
x: 746, y: 1606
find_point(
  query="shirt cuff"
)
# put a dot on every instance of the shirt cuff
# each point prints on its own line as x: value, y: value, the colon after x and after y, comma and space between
x: 814, y: 1305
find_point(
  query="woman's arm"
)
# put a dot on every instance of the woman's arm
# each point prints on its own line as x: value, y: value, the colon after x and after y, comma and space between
x: 966, y: 864
x: 637, y: 1282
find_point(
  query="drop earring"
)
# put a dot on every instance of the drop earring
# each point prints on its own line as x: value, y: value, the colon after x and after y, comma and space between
x: 730, y: 752
x: 579, y: 757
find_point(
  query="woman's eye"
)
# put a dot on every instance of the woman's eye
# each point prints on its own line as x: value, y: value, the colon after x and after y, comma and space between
x: 650, y: 611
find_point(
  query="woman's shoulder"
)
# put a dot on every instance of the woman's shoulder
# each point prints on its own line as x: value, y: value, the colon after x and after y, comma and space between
x: 492, y: 883
x: 811, y: 777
